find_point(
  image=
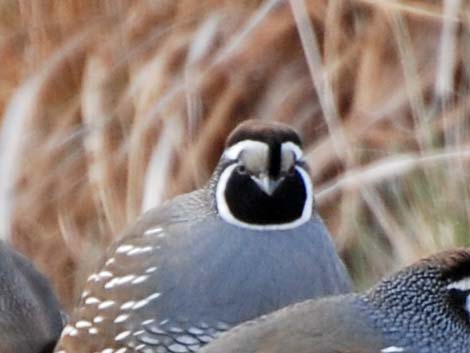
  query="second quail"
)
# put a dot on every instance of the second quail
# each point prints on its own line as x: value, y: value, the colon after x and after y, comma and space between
x: 30, y: 316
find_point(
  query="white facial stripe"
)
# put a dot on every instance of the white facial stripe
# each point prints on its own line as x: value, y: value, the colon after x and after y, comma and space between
x: 290, y: 146
x: 224, y: 210
x: 307, y: 211
x: 463, y: 285
x: 222, y: 206
x: 233, y: 152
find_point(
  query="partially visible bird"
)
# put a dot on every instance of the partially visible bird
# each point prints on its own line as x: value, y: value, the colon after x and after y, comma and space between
x: 424, y: 308
x: 246, y: 244
x: 30, y: 316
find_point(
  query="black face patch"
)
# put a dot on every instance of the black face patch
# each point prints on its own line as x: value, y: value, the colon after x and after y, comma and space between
x: 458, y: 299
x: 249, y: 204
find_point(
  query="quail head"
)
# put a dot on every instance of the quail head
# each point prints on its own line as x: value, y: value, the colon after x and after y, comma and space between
x: 424, y: 308
x: 246, y: 244
x: 30, y: 317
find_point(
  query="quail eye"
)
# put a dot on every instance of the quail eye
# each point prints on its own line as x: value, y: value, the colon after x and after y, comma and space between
x: 241, y: 170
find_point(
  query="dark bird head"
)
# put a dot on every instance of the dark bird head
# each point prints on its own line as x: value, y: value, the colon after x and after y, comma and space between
x: 262, y: 180
x: 427, y: 304
x: 456, y: 275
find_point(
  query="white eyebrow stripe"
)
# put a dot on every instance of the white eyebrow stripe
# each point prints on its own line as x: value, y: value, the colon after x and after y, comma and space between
x: 463, y: 284
x: 291, y: 146
x: 233, y: 152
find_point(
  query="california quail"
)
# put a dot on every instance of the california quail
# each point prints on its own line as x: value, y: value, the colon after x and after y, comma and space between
x: 424, y: 308
x: 248, y: 243
x: 30, y: 317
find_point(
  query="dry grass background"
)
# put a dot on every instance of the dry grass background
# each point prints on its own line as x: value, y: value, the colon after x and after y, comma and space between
x: 109, y: 107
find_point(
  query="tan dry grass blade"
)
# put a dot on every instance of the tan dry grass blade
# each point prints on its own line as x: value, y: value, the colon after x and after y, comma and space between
x: 447, y: 53
x: 242, y: 35
x: 414, y: 87
x: 421, y: 9
x: 97, y: 112
x: 159, y: 166
x: 382, y: 170
x: 320, y: 79
x: 15, y: 125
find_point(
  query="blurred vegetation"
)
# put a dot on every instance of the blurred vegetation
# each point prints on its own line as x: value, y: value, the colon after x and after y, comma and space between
x: 111, y: 106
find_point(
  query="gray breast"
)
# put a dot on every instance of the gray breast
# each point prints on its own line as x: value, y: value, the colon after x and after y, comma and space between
x: 216, y: 271
x: 177, y: 281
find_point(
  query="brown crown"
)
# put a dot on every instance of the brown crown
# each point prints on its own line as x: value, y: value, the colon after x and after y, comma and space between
x: 453, y: 264
x: 263, y: 131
